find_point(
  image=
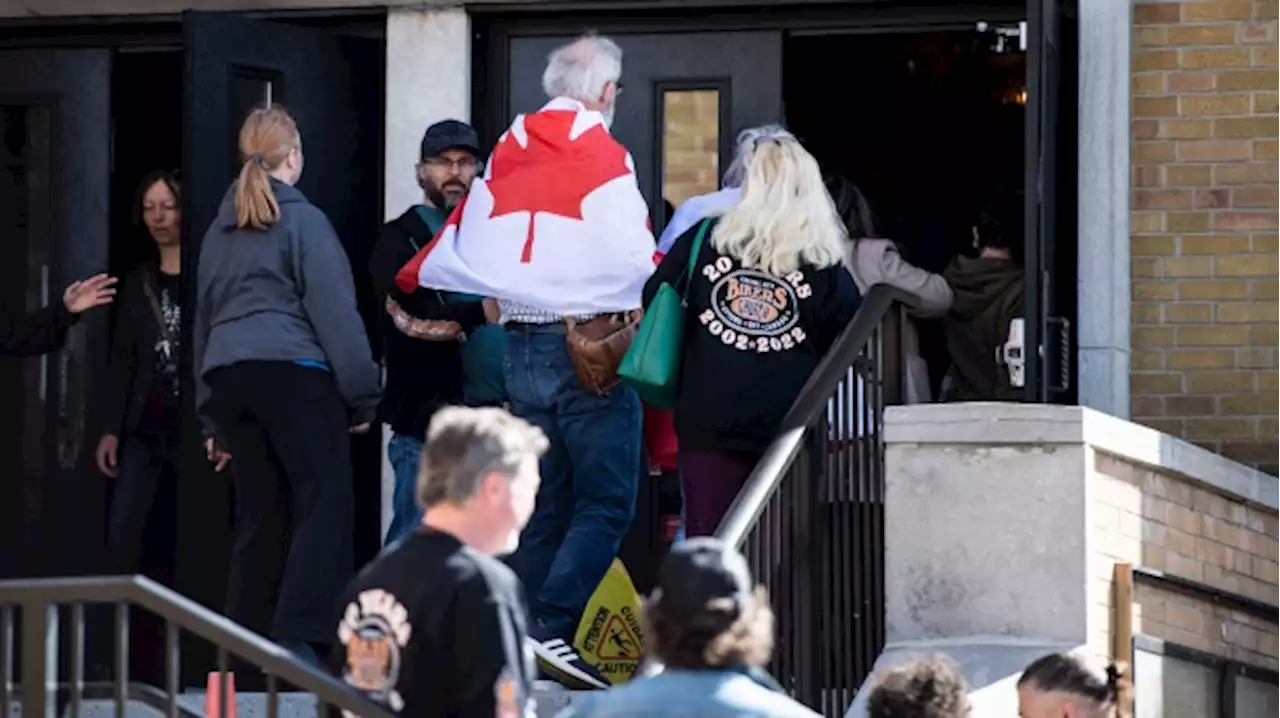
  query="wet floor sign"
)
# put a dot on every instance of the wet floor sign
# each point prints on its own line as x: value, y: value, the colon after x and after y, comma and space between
x: 610, y: 636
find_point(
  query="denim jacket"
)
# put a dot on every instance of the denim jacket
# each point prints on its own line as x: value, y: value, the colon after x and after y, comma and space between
x: 688, y: 694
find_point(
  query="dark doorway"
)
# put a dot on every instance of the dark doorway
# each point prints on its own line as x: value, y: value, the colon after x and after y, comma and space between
x: 929, y: 123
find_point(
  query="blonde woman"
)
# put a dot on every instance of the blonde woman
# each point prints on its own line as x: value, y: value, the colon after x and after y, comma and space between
x: 767, y: 298
x: 284, y: 372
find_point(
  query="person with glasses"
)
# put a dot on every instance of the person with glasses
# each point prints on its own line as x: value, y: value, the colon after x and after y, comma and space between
x: 440, y: 347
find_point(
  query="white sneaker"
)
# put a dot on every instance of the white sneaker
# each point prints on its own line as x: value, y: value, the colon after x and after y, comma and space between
x: 562, y: 663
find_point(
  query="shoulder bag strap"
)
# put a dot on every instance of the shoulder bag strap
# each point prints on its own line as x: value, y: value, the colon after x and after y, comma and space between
x: 694, y: 251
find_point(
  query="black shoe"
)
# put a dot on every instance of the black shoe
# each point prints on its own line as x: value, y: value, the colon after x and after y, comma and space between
x: 562, y: 664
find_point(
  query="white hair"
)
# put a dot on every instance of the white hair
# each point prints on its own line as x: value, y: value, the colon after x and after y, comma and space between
x: 785, y: 218
x: 583, y: 68
x: 747, y: 140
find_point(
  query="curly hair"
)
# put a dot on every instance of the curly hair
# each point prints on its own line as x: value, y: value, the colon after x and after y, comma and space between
x: 926, y: 688
x: 720, y: 635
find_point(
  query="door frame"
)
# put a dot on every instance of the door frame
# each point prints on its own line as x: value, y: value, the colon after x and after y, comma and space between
x: 494, y: 26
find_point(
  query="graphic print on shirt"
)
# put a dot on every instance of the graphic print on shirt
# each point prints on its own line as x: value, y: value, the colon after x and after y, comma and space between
x: 375, y: 630
x: 166, y: 347
x: 752, y: 310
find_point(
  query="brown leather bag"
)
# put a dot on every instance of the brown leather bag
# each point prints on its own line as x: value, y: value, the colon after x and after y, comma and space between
x: 596, y: 347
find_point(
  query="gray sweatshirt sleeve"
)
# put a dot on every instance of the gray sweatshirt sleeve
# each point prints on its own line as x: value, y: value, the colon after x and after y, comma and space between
x: 328, y: 294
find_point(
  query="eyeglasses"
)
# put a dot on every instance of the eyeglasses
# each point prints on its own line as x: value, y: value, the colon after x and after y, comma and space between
x: 461, y: 164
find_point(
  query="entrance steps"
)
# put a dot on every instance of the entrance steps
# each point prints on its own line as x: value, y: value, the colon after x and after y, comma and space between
x: 552, y: 698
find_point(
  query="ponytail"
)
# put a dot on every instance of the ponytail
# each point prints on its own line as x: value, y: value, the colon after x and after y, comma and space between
x: 267, y: 138
x: 1111, y: 693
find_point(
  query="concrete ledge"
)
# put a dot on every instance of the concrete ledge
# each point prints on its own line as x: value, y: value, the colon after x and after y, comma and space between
x: 996, y: 424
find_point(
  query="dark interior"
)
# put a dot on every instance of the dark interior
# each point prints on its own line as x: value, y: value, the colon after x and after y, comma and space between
x: 928, y: 125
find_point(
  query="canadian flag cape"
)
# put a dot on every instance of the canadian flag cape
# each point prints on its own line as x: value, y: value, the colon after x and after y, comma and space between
x: 557, y: 222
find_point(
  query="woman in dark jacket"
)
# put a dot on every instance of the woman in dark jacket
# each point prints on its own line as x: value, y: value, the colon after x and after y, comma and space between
x: 283, y: 372
x: 142, y: 413
x: 767, y: 297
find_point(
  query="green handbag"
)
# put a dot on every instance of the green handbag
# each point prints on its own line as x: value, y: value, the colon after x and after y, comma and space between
x: 652, y: 364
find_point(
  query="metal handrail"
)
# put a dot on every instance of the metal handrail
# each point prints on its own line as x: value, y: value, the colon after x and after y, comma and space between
x: 812, y: 401
x: 38, y: 598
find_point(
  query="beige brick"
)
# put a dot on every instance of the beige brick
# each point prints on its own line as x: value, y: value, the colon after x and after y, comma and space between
x: 1218, y: 34
x: 1215, y: 151
x: 1218, y: 428
x: 1263, y: 336
x: 1146, y: 222
x: 1154, y: 152
x: 1257, y: 32
x: 1188, y: 313
x: 1185, y: 129
x: 1237, y: 80
x: 1211, y: 11
x: 1144, y: 267
x: 1266, y: 150
x: 1140, y: 360
x: 1266, y: 242
x: 1144, y: 313
x: 1207, y: 59
x: 1252, y: 173
x: 1204, y: 290
x: 1194, y: 267
x: 1152, y: 337
x: 1192, y: 222
x: 1211, y: 336
x: 1168, y: 60
x: 1265, y: 404
x: 1150, y: 36
x: 1203, y: 105
x: 1213, y: 243
x: 1264, y: 289
x: 1264, y: 570
x: 1143, y: 383
x: 1247, y: 312
x: 1188, y: 175
x: 1212, y: 198
x: 1249, y: 197
x: 1158, y: 244
x: 1264, y: 57
x: 1156, y: 14
x: 1247, y: 265
x: 1145, y: 129
x: 1240, y: 220
x: 1188, y: 568
x: 1266, y: 103
x: 1141, y: 291
x: 1269, y: 381
x: 1245, y: 126
x: 1186, y: 82
x: 1141, y: 406
x: 1190, y: 406
x: 1221, y: 381
x: 1252, y: 358
x: 1146, y: 199
x: 1162, y: 106
x: 1149, y: 83
x: 1201, y: 359
x: 1266, y: 9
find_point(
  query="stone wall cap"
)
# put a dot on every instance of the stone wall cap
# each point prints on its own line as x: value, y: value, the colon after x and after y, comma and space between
x: 1003, y: 424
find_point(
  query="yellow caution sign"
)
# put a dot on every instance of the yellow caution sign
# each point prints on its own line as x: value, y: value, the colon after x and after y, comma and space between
x: 610, y: 636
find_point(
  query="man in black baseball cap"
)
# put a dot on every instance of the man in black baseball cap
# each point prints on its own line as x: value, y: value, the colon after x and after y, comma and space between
x: 428, y: 365
x: 712, y: 628
x: 447, y: 163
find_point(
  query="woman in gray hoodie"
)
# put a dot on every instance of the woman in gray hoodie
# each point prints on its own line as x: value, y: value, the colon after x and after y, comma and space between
x: 284, y: 372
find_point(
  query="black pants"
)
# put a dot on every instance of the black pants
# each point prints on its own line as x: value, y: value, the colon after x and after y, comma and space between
x: 285, y: 426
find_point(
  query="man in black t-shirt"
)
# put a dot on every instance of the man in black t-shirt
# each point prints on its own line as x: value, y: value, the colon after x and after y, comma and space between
x: 436, y: 626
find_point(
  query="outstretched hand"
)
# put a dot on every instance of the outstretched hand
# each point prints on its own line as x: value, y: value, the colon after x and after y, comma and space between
x: 92, y: 292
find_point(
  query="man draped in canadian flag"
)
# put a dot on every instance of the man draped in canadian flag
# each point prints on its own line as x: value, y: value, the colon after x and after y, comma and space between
x: 557, y: 228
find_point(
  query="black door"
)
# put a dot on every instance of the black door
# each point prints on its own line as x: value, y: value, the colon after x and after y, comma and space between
x: 332, y: 85
x: 1049, y: 180
x: 54, y: 172
x: 684, y: 97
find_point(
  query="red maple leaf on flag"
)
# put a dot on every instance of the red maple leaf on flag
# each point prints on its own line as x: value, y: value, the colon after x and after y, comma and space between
x: 552, y: 173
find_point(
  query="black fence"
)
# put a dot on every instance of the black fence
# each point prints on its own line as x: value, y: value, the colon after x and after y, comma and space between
x: 49, y: 675
x: 811, y: 517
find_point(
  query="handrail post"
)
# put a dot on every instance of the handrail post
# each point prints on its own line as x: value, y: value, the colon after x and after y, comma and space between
x: 39, y: 659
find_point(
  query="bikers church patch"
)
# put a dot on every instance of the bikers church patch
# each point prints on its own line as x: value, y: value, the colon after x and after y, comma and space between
x: 375, y: 630
x: 755, y: 311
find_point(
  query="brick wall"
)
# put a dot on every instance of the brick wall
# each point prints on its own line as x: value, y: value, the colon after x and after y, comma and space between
x: 1204, y: 224
x: 1164, y: 522
x: 690, y: 144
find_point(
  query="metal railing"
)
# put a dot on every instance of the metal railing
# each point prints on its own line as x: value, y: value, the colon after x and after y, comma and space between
x: 42, y: 605
x: 810, y: 518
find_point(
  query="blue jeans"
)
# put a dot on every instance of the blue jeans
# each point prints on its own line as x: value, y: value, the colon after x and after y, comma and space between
x: 403, y: 453
x: 590, y: 475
